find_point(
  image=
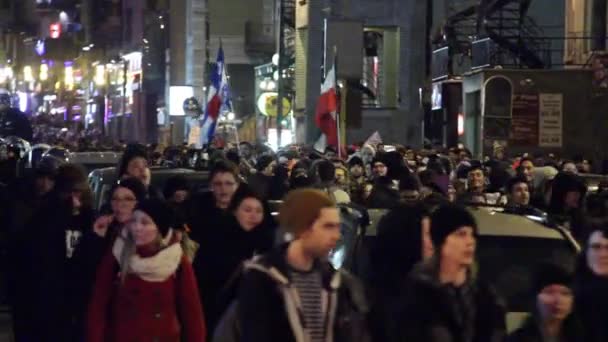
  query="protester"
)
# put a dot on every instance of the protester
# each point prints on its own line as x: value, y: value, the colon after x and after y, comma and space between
x: 261, y: 181
x: 409, y: 189
x: 326, y: 172
x: 208, y: 210
x: 134, y: 164
x: 449, y: 280
x: 21, y: 202
x: 176, y: 190
x: 592, y: 286
x: 13, y: 122
x: 356, y: 170
x: 566, y: 205
x: 476, y: 187
x: 379, y: 168
x: 57, y: 229
x: 553, y: 317
x: 154, y: 295
x: 282, y: 293
x: 251, y: 231
x: 403, y: 240
x: 518, y: 194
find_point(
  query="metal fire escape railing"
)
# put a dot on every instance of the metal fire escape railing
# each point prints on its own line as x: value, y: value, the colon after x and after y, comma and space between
x: 515, y: 39
x: 506, y: 23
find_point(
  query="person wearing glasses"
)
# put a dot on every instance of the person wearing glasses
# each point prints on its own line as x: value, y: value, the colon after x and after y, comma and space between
x: 95, y: 243
x: 209, y: 217
x: 592, y: 286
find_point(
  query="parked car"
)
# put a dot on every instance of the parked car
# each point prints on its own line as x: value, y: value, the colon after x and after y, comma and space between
x: 509, y: 247
x: 102, y: 180
x: 94, y: 160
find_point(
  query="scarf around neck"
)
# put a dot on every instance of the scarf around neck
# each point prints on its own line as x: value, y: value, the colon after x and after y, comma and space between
x: 156, y: 268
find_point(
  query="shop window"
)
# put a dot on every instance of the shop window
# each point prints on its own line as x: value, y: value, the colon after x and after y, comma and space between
x: 380, y: 67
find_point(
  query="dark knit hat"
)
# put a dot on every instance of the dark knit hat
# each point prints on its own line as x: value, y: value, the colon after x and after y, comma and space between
x: 263, y: 162
x: 355, y: 161
x: 301, y: 208
x: 550, y: 274
x: 379, y: 159
x: 136, y: 186
x: 447, y: 219
x: 409, y: 183
x: 161, y: 213
x: 174, y: 184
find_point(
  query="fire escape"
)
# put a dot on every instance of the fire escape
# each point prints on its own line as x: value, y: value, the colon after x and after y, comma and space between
x: 490, y: 33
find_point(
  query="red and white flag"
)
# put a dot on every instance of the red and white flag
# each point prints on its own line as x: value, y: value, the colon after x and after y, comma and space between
x: 325, y: 115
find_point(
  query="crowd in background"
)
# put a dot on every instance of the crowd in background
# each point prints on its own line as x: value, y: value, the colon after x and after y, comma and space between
x: 179, y: 265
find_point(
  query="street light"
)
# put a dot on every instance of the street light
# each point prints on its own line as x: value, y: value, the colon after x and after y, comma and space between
x: 100, y: 74
x: 69, y: 77
x: 44, y: 72
x: 28, y: 75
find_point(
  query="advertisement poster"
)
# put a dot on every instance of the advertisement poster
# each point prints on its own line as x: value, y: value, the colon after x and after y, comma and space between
x: 524, y: 123
x: 551, y: 119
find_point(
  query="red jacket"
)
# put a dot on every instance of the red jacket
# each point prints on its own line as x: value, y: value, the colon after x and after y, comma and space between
x: 138, y: 310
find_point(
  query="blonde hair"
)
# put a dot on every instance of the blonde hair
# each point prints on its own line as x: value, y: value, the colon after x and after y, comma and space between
x: 128, y: 250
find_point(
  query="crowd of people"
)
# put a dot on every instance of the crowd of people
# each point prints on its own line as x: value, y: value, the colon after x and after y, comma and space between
x: 174, y: 264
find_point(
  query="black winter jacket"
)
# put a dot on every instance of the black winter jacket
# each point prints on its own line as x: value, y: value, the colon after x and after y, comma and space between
x: 530, y: 332
x: 431, y: 311
x: 267, y: 310
x: 55, y: 233
x: 592, y: 304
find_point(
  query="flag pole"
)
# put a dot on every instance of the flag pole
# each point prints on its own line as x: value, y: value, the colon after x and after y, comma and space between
x: 338, y: 126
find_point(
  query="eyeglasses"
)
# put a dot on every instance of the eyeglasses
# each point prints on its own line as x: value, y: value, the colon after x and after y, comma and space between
x: 596, y: 247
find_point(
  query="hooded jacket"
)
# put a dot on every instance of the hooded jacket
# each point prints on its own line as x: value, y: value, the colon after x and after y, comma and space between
x: 269, y: 308
x: 592, y: 301
x: 56, y: 233
x: 435, y: 312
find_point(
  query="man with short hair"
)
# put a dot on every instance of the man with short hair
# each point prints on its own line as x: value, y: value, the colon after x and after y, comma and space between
x: 293, y: 293
x: 476, y: 187
x: 526, y: 169
x: 444, y: 299
x: 518, y: 193
x: 327, y: 182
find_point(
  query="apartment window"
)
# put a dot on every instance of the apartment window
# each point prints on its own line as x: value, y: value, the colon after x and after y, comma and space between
x: 380, y: 67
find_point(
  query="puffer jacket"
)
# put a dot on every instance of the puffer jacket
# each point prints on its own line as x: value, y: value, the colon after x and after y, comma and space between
x: 269, y: 309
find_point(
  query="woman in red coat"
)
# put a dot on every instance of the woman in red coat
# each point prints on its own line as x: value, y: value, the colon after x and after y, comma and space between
x: 145, y: 288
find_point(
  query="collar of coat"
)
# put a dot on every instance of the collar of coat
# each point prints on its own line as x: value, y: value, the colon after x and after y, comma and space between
x: 156, y: 268
x: 427, y: 272
x: 274, y: 265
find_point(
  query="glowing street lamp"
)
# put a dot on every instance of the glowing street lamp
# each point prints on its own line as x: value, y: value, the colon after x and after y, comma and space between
x: 100, y: 74
x: 69, y: 77
x: 28, y: 75
x: 44, y: 72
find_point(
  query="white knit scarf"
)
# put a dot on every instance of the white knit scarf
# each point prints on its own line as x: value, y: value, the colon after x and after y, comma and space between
x: 156, y: 268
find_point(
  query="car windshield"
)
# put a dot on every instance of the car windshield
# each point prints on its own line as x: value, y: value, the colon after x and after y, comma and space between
x: 512, y: 275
